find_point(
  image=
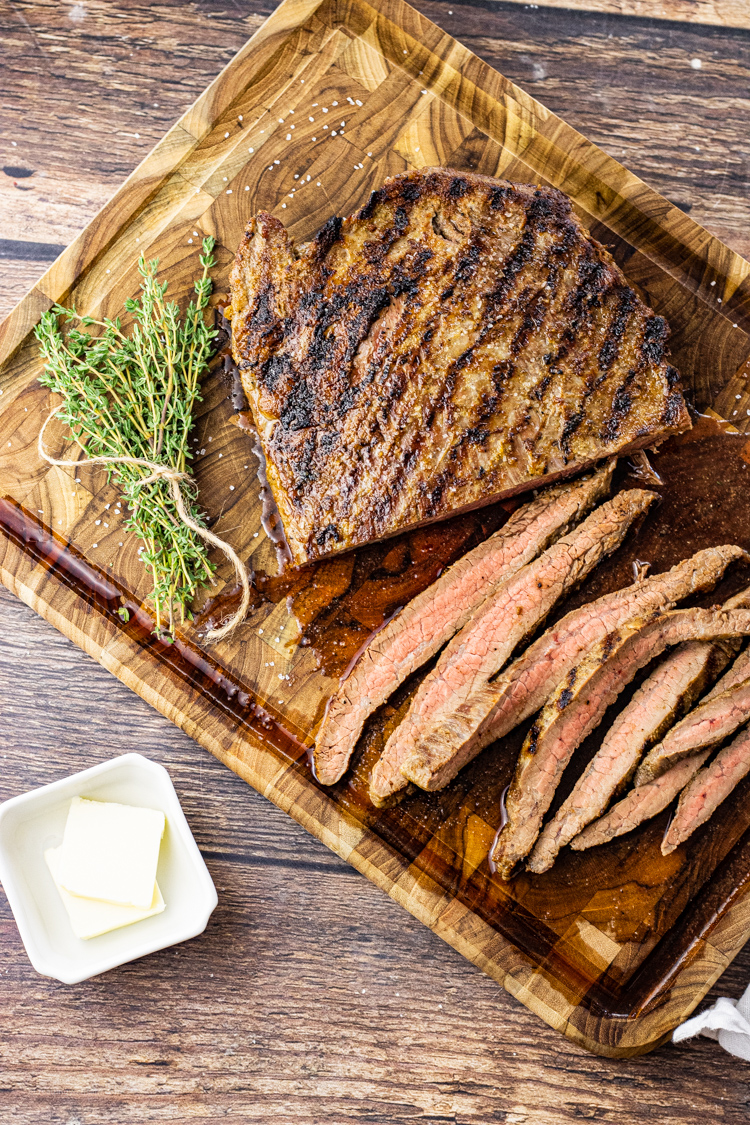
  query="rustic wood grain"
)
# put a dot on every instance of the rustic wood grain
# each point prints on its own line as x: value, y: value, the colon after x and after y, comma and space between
x: 626, y: 84
x: 255, y: 139
x: 523, y: 29
x: 722, y: 13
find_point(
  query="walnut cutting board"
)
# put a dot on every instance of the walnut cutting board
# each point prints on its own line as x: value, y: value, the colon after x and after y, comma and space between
x: 613, y: 947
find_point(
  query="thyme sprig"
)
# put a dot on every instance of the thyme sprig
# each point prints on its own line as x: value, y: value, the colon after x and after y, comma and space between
x: 131, y: 393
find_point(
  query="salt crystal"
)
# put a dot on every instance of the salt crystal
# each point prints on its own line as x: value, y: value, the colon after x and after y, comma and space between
x: 226, y: 135
x: 250, y: 150
x: 696, y: 64
x: 231, y: 488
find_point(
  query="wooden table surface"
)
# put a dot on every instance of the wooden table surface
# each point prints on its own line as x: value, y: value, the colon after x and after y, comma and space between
x: 312, y: 996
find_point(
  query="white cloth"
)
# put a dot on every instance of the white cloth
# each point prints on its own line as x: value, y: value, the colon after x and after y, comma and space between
x: 726, y: 1020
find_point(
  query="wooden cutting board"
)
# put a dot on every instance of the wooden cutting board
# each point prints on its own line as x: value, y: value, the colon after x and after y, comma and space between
x: 613, y: 947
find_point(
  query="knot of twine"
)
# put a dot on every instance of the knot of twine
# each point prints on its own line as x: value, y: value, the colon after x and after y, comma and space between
x: 175, y: 478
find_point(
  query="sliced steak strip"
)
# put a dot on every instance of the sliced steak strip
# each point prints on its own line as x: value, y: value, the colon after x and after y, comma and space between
x: 710, y: 786
x: 482, y: 647
x: 578, y: 705
x: 739, y: 671
x: 523, y: 687
x: 666, y: 695
x: 426, y: 623
x: 707, y: 725
x: 640, y: 804
x: 669, y: 692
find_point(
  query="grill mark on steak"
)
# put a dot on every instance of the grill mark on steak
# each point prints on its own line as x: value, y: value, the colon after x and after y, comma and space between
x: 708, y: 788
x: 525, y: 685
x: 416, y: 331
x: 431, y: 619
x: 708, y: 724
x: 599, y: 679
x: 640, y: 804
x: 626, y: 303
x: 436, y: 715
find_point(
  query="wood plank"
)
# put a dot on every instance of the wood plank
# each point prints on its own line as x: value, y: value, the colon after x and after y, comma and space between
x: 408, y: 94
x: 718, y: 13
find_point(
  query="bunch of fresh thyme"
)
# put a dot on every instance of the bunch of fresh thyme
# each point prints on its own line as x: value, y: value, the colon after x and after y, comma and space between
x: 131, y: 394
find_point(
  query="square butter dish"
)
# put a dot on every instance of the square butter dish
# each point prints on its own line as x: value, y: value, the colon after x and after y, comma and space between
x: 33, y: 822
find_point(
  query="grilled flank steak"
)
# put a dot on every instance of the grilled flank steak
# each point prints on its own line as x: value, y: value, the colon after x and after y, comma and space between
x: 458, y: 340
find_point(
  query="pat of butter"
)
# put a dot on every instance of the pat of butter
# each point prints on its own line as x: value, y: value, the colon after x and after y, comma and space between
x: 110, y: 852
x: 89, y: 917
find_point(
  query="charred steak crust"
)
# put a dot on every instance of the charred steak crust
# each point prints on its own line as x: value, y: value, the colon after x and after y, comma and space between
x: 457, y: 340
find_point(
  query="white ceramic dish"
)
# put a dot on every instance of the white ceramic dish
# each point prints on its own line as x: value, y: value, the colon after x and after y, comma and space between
x: 34, y: 821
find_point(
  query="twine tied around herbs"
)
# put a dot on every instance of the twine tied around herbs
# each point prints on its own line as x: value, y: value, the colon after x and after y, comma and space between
x: 175, y: 479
